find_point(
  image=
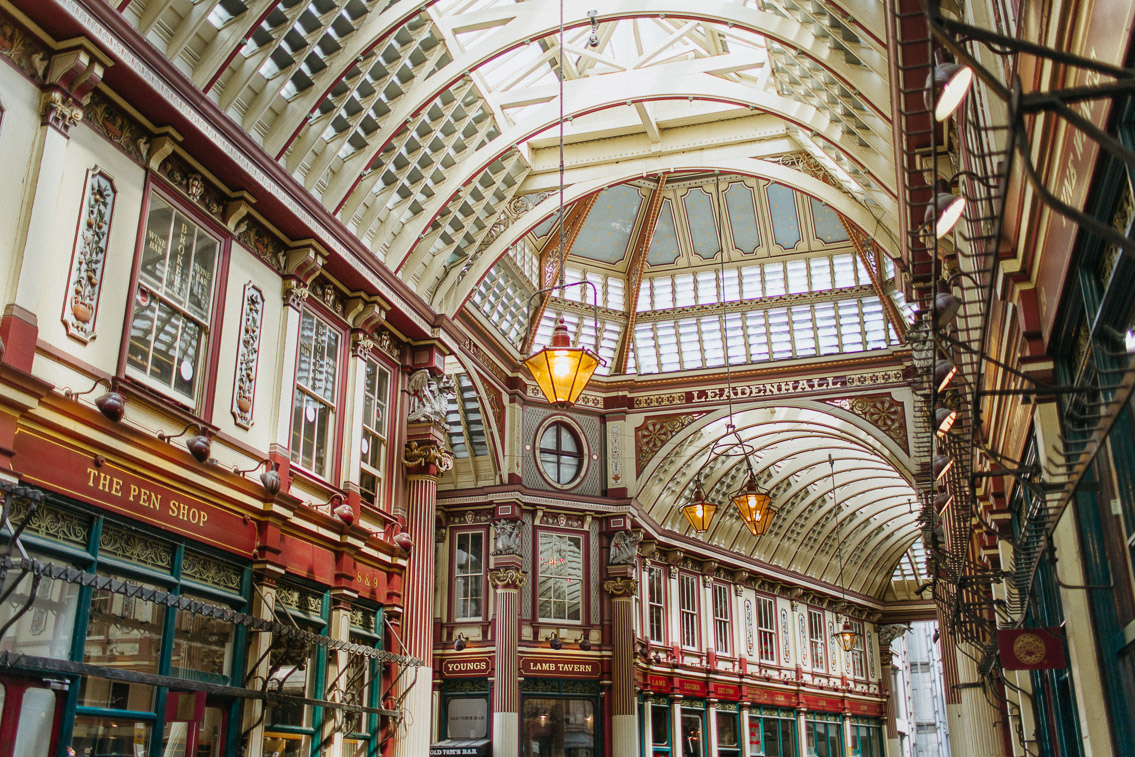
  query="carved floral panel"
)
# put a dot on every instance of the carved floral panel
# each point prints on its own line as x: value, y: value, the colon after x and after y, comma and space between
x: 80, y: 308
x: 248, y: 354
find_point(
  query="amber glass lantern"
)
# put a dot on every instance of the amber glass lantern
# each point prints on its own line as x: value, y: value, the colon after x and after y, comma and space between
x: 699, y: 512
x: 848, y: 637
x: 754, y: 507
x: 561, y: 371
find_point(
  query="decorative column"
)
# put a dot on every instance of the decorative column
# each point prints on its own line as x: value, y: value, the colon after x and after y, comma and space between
x: 675, y: 724
x: 711, y: 724
x: 71, y: 75
x: 334, y: 719
x: 426, y: 457
x: 507, y: 579
x: 887, y: 634
x: 974, y: 720
x: 623, y: 587
x: 256, y: 674
x: 745, y: 730
x: 648, y: 723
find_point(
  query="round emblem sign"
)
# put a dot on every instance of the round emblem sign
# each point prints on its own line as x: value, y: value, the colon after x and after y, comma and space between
x: 1029, y: 648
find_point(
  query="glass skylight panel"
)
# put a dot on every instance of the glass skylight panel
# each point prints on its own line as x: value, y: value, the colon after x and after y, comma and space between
x: 742, y: 217
x: 751, y: 286
x: 663, y: 287
x: 608, y: 344
x: 798, y: 276
x: 646, y: 348
x: 780, y: 333
x: 735, y: 339
x: 827, y: 331
x: 707, y: 287
x: 713, y: 350
x: 874, y: 323
x: 643, y: 303
x: 802, y: 334
x: 821, y: 273
x: 864, y: 276
x: 845, y: 273
x: 774, y: 279
x: 666, y: 338
x: 757, y: 326
x: 615, y: 293
x: 731, y: 285
x: 689, y: 343
x: 888, y: 267
x: 850, y: 326
x: 683, y: 290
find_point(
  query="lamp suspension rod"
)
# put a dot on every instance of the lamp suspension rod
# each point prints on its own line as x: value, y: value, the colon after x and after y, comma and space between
x: 724, y: 317
x: 563, y: 250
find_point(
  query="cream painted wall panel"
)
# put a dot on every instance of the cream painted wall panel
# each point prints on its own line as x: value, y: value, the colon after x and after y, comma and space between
x: 87, y: 150
x: 243, y: 268
x: 19, y: 144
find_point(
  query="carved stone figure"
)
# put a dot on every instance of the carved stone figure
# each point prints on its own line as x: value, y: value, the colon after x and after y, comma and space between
x: 429, y: 397
x: 624, y: 548
x: 507, y: 533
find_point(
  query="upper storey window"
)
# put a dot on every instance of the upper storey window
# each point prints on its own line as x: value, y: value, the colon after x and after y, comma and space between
x: 560, y: 586
x: 173, y: 303
x: 316, y: 395
x: 373, y: 463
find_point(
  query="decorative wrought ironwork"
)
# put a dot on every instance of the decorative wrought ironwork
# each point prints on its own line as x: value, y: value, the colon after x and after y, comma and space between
x: 135, y: 547
x: 52, y: 522
x: 80, y: 309
x: 212, y: 572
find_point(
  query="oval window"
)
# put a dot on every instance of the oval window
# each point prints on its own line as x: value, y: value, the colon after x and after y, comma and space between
x: 561, y: 453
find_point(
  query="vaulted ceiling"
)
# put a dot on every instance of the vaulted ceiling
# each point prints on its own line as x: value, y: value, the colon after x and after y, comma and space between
x: 728, y: 178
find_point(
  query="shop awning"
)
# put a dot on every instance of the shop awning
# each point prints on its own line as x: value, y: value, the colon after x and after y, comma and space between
x: 461, y: 748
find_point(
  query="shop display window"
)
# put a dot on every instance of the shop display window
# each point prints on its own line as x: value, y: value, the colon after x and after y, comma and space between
x: 660, y: 728
x: 772, y: 735
x: 693, y: 734
x: 866, y: 740
x: 558, y: 727
x: 98, y: 736
x: 728, y: 730
x: 823, y: 738
x: 124, y: 633
x: 48, y: 628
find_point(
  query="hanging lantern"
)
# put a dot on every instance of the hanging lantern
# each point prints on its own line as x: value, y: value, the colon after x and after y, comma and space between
x: 560, y: 370
x: 699, y: 512
x: 848, y: 636
x: 753, y: 505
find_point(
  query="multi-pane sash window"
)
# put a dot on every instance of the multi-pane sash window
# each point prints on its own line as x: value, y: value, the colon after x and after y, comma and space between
x: 468, y: 571
x: 656, y: 599
x: 317, y: 384
x: 722, y: 628
x: 372, y: 466
x: 560, y: 588
x: 816, y: 638
x: 857, y: 668
x: 688, y: 609
x: 169, y: 326
x: 766, y: 629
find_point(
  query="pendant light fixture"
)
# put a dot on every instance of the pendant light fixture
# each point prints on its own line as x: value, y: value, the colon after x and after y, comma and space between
x: 754, y: 505
x: 562, y: 370
x: 700, y: 511
x: 848, y: 636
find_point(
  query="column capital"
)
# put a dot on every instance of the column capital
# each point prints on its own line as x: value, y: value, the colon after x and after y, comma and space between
x: 621, y: 587
x: 426, y: 458
x: 508, y: 578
